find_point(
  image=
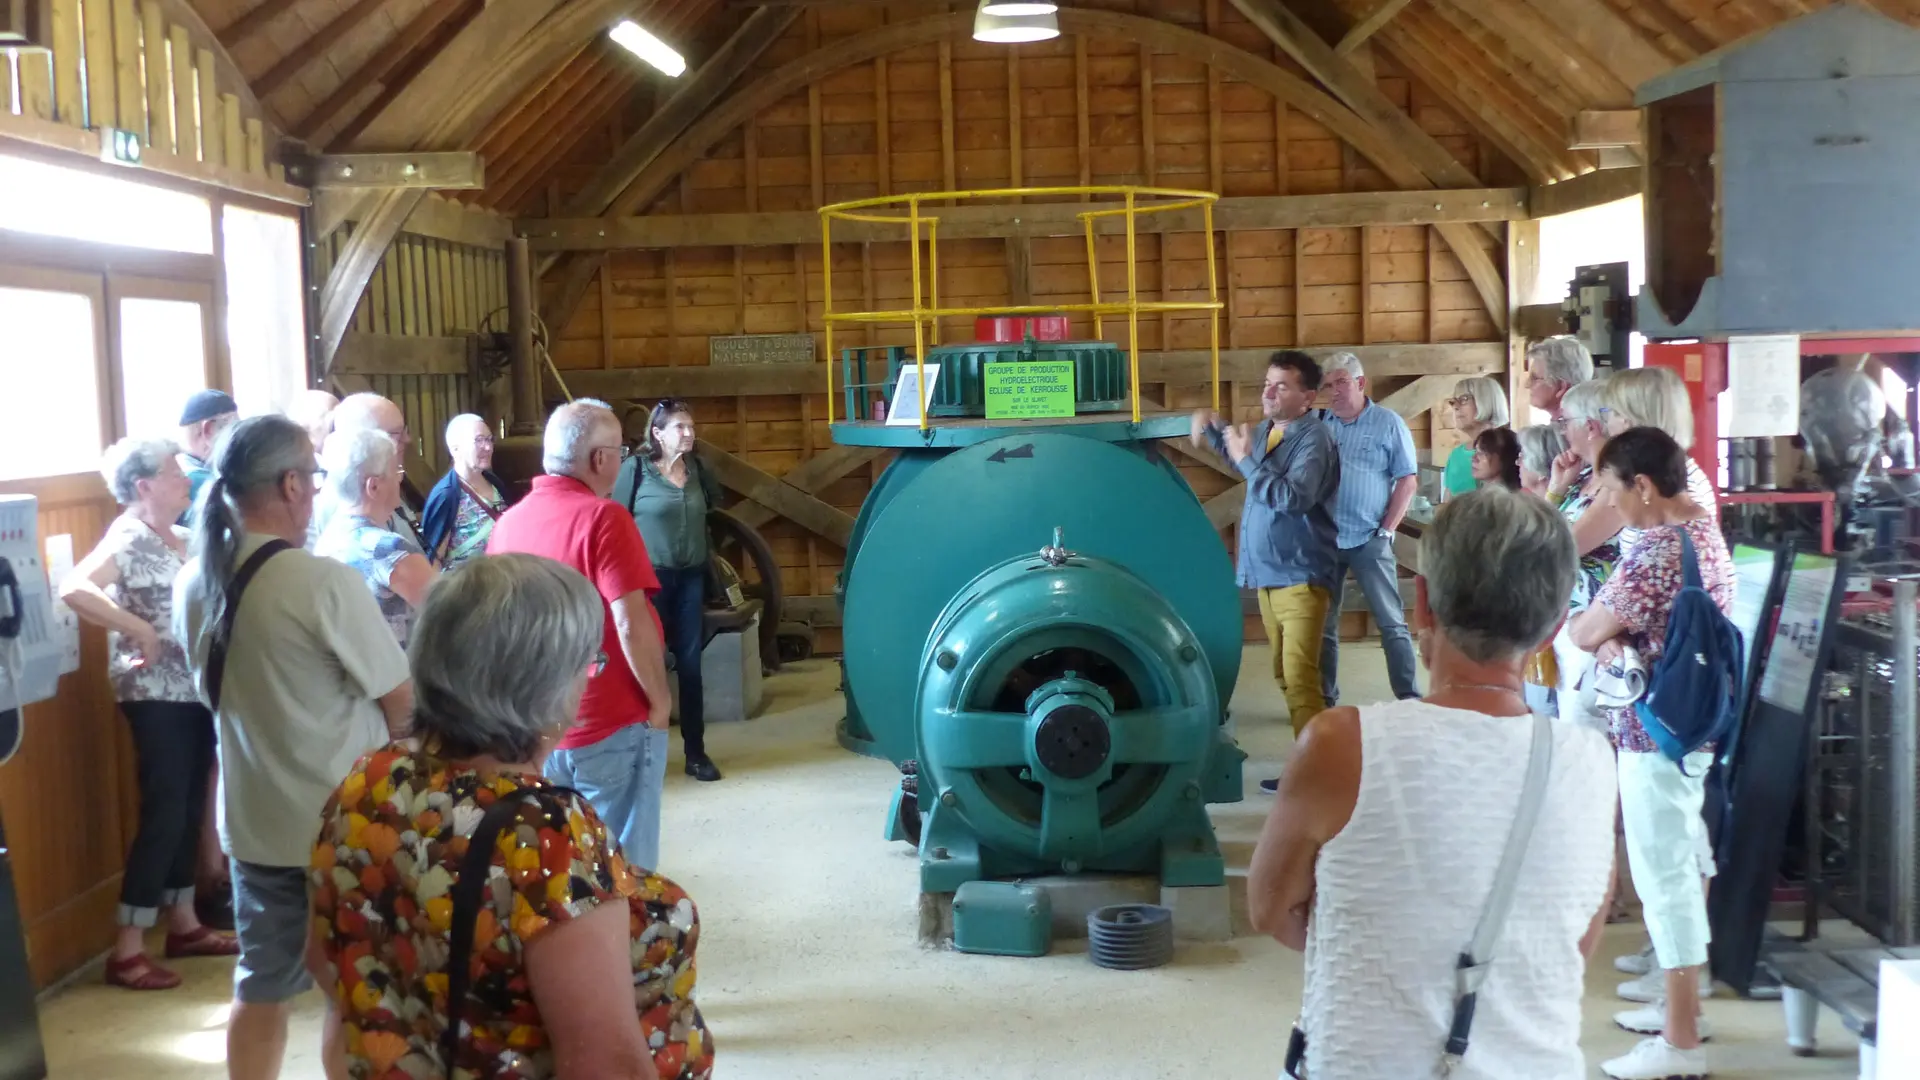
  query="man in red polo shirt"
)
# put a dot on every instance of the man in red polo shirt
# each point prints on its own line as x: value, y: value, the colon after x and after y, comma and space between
x: 616, y: 755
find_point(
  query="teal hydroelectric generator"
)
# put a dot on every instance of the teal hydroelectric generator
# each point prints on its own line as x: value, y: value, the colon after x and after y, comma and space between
x: 1041, y: 626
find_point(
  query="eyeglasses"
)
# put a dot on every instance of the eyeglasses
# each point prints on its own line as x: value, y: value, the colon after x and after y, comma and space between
x: 1463, y: 399
x: 598, y: 665
x: 621, y: 449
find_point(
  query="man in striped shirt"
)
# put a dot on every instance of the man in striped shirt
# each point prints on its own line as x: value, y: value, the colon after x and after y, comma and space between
x: 1376, y: 487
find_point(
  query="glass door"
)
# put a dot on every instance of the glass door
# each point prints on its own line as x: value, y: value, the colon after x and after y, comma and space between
x: 163, y: 349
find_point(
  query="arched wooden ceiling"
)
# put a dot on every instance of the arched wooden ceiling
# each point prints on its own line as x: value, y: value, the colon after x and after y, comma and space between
x: 1517, y: 71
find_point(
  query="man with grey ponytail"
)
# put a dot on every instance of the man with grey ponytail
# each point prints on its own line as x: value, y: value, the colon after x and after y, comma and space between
x: 304, y: 677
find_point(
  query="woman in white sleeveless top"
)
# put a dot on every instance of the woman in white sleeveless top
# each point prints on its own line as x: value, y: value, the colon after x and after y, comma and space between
x: 1381, y: 849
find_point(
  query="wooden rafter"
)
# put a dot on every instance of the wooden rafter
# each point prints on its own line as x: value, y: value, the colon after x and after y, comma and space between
x: 511, y: 44
x: 314, y: 47
x: 1379, y: 147
x: 374, y: 74
x: 801, y: 507
x: 1548, y: 48
x: 409, y: 68
x: 1368, y: 24
x: 254, y: 21
x: 1606, y: 35
x: 811, y: 477
x: 1465, y: 100
x: 1538, y: 110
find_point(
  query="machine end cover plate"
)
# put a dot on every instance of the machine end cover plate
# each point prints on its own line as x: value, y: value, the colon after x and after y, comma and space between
x: 1073, y: 742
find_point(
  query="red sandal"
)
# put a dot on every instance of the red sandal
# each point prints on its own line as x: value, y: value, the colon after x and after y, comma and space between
x: 139, y: 973
x: 201, y: 942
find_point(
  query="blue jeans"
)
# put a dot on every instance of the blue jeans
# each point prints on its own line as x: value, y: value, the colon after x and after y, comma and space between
x: 622, y: 776
x: 682, y: 605
x: 1378, y: 573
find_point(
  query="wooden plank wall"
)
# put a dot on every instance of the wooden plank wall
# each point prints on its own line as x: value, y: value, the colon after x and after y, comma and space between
x: 963, y: 115
x: 73, y: 780
x: 425, y: 287
x: 128, y: 64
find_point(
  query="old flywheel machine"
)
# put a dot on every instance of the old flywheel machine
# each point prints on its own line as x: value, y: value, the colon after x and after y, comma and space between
x: 1040, y: 625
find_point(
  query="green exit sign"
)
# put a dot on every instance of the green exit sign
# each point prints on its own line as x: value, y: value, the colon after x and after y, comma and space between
x: 119, y: 147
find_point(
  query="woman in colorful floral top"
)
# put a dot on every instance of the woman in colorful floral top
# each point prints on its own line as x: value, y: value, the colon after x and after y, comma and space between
x: 581, y: 965
x: 1645, y: 471
x: 363, y: 471
x: 126, y: 585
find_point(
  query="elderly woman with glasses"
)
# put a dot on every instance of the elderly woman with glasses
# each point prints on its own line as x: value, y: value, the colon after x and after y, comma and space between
x: 1479, y: 406
x: 1589, y: 508
x: 457, y: 519
x: 669, y: 490
x: 126, y: 585
x: 579, y: 963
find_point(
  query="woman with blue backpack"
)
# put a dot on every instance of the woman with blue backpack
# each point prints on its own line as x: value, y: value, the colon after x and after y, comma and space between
x: 1673, y: 587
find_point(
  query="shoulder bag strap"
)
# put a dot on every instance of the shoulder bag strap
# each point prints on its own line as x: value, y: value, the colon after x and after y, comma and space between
x: 217, y: 648
x: 1471, y: 972
x: 1689, y: 561
x: 469, y: 892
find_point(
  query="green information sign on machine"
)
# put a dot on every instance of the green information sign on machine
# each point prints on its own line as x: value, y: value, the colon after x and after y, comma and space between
x: 1029, y: 390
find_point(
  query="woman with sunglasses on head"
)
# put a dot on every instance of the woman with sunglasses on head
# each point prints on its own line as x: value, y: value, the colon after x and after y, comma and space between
x: 669, y: 492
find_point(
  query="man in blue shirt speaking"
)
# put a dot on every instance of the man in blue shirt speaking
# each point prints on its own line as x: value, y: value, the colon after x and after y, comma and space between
x: 1376, y: 487
x: 1287, y: 549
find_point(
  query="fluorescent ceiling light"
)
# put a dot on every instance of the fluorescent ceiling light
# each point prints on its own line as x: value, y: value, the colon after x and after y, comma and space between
x: 649, y: 48
x: 1013, y: 29
x: 1017, y: 7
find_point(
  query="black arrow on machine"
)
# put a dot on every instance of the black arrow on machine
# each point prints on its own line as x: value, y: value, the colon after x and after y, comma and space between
x: 999, y: 457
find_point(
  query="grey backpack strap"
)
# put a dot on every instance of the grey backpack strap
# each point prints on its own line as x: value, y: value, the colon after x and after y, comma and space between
x: 1471, y: 972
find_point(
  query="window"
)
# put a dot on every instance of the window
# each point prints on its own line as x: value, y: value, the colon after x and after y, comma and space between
x: 163, y: 362
x: 49, y: 415
x: 266, y: 309
x: 53, y: 201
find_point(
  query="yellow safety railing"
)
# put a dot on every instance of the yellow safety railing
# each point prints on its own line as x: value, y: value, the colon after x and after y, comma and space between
x: 1130, y: 208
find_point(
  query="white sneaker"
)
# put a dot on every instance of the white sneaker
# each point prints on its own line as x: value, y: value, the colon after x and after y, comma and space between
x: 1657, y: 1059
x: 1653, y: 986
x: 1651, y: 1019
x: 1636, y: 963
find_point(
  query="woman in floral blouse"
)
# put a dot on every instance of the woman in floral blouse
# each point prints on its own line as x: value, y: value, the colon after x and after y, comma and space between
x: 126, y: 585
x: 363, y: 471
x: 1645, y: 471
x: 581, y: 964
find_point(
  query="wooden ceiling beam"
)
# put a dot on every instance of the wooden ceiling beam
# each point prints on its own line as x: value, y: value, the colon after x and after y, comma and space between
x: 403, y: 75
x: 487, y: 63
x: 573, y: 117
x: 1027, y: 220
x: 1691, y: 39
x: 603, y: 193
x: 1543, y: 125
x: 1608, y: 37
x: 1594, y: 129
x: 254, y: 21
x: 506, y: 143
x: 1368, y: 24
x: 1383, y: 150
x: 1467, y: 102
x: 1553, y: 98
x: 1552, y: 51
x: 375, y: 73
x: 315, y: 47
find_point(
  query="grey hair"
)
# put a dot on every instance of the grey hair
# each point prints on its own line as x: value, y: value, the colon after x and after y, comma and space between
x: 461, y: 421
x: 355, y: 412
x: 251, y: 458
x: 1653, y: 397
x: 569, y: 435
x: 354, y: 457
x: 1500, y: 569
x: 1585, y: 401
x: 1561, y: 359
x: 495, y: 653
x: 132, y: 460
x: 1342, y: 361
x: 1539, y: 445
x: 1489, y: 401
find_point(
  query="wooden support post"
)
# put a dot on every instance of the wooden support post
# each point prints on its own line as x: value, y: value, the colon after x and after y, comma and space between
x: 1147, y: 166
x: 525, y: 369
x: 97, y: 19
x: 1014, y: 116
x: 186, y: 123
x: 1523, y: 275
x: 947, y: 173
x: 69, y: 94
x: 1214, y: 165
x: 213, y: 144
x: 1019, y: 271
x: 131, y: 111
x: 816, y: 171
x: 1082, y: 121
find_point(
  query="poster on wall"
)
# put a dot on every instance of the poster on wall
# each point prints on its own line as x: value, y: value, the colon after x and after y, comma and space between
x: 1793, y: 662
x: 1763, y: 386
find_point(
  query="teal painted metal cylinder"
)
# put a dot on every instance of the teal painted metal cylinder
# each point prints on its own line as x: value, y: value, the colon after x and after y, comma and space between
x: 1064, y: 702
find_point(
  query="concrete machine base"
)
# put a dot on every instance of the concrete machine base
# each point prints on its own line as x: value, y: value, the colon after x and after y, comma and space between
x: 1199, y: 914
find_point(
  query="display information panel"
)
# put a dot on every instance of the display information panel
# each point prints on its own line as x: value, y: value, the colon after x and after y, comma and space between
x: 1029, y: 390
